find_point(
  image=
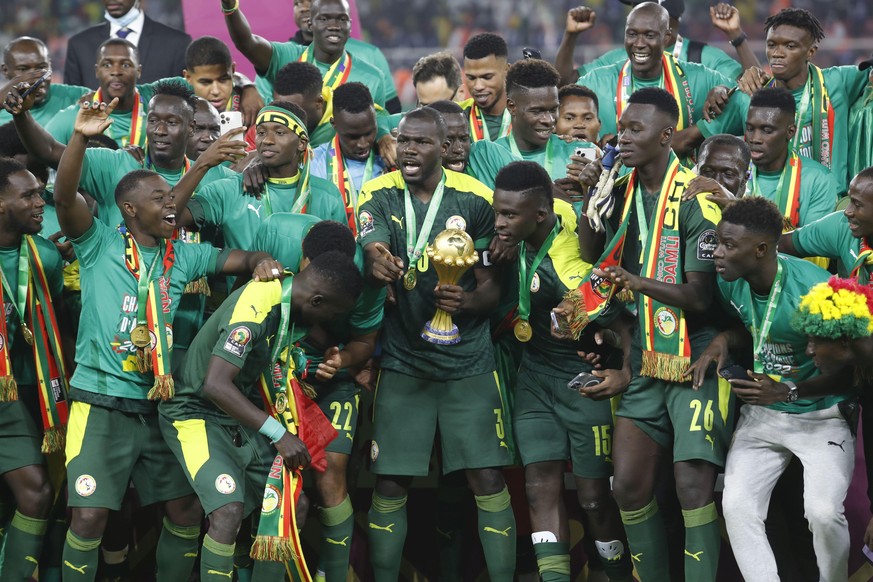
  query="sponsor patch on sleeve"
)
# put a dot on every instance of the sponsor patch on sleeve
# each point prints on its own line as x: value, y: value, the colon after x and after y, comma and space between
x: 706, y: 243
x: 237, y: 340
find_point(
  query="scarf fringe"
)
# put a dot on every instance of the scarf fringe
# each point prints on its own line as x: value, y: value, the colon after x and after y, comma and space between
x: 578, y: 319
x: 8, y: 389
x: 54, y: 440
x: 198, y: 287
x: 308, y: 389
x: 668, y: 367
x: 163, y: 389
x: 625, y: 296
x: 273, y: 549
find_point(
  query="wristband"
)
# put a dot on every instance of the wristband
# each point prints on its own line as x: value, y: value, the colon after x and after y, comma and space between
x: 736, y: 42
x: 232, y: 9
x: 272, y: 429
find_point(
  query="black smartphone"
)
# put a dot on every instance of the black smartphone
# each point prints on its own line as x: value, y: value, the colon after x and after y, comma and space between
x: 531, y: 53
x: 735, y: 372
x: 583, y: 380
x: 36, y: 84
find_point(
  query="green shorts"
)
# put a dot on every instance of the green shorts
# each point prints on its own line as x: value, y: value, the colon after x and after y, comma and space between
x: 20, y: 441
x: 407, y: 412
x: 554, y: 423
x: 696, y: 424
x: 106, y: 449
x: 220, y: 471
x: 339, y: 401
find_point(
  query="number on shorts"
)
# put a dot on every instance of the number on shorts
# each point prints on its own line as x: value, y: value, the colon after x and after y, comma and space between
x: 337, y: 408
x: 602, y: 440
x: 499, y: 426
x: 708, y: 415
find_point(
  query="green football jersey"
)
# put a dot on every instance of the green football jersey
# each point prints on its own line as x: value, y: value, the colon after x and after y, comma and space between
x: 783, y: 352
x: 382, y: 218
x: 830, y: 237
x: 554, y: 156
x: 60, y: 97
x: 860, y: 129
x: 105, y: 356
x: 818, y: 191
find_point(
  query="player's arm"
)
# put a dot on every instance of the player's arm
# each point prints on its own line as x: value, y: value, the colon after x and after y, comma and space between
x: 786, y: 244
x: 218, y: 387
x: 591, y: 242
x: 256, y: 49
x: 483, y: 299
x: 764, y: 390
x: 354, y: 354
x: 694, y: 295
x: 717, y: 351
x: 726, y: 18
x: 382, y: 266
x: 38, y: 142
x: 74, y: 216
x: 578, y: 20
x: 260, y: 265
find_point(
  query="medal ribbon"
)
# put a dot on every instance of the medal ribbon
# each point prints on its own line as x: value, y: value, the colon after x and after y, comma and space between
x: 865, y: 258
x: 815, y: 93
x: 525, y: 278
x: 337, y: 170
x: 672, y: 77
x: 302, y: 194
x: 19, y: 299
x: 415, y: 246
x: 479, y: 127
x: 787, y: 196
x: 759, y: 335
x: 137, y: 134
x: 336, y: 75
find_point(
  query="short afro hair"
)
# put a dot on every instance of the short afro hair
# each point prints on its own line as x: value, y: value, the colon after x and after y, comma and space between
x: 531, y: 74
x: 798, y: 18
x: 580, y: 91
x: 527, y: 177
x: 352, y: 98
x: 774, y: 98
x: 659, y: 98
x: 444, y: 107
x: 484, y: 45
x: 205, y: 51
x: 327, y: 236
x: 756, y: 214
x: 130, y: 182
x: 291, y: 108
x: 170, y: 88
x: 298, y: 79
x: 116, y: 41
x: 441, y: 64
x: 339, y: 272
x: 101, y: 140
x: 9, y: 166
x: 430, y: 115
x: 730, y: 141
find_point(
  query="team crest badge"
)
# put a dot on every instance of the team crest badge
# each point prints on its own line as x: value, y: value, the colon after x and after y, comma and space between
x: 86, y: 485
x: 665, y: 319
x: 225, y: 484
x: 374, y: 451
x: 366, y: 225
x: 456, y: 222
x: 535, y: 283
x: 271, y: 499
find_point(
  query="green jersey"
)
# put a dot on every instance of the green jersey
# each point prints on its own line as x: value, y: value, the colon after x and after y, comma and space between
x: 21, y: 354
x: 818, y: 191
x: 103, y: 168
x: 860, y: 129
x: 50, y: 224
x: 710, y: 57
x: 604, y: 82
x: 61, y: 126
x: 240, y: 332
x: 105, y: 356
x: 486, y: 159
x: 59, y: 97
x: 554, y: 156
x: 844, y: 85
x: 224, y: 204
x: 782, y: 353
x: 830, y: 237
x: 382, y: 218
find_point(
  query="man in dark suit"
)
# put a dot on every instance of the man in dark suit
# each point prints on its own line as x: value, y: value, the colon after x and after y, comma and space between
x: 161, y: 48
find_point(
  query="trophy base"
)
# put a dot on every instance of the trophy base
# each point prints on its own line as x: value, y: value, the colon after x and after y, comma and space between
x: 442, y: 337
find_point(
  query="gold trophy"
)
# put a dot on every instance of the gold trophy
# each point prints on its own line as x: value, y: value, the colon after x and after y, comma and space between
x: 451, y: 253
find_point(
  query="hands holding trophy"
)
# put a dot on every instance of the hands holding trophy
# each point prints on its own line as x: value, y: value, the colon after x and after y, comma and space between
x: 451, y: 254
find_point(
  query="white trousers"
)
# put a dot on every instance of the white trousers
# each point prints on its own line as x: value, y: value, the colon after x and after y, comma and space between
x: 762, y: 446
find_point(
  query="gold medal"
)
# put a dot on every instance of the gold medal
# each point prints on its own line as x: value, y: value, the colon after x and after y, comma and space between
x: 281, y: 403
x: 27, y: 334
x: 139, y: 336
x: 410, y: 279
x: 523, y: 331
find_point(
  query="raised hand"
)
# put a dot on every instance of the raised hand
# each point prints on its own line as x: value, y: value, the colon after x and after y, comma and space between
x: 726, y: 18
x: 580, y: 19
x: 93, y: 119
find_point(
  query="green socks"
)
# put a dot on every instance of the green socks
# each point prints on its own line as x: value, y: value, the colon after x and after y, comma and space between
x: 497, y: 534
x: 216, y: 561
x: 23, y: 546
x: 553, y: 561
x: 387, y: 534
x: 337, y: 526
x: 80, y: 557
x: 648, y: 542
x: 702, y: 543
x: 177, y: 550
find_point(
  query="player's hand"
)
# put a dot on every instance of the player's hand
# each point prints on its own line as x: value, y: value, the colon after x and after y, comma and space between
x: 12, y: 90
x: 761, y: 390
x: 388, y: 149
x: 562, y: 312
x: 715, y: 192
x: 65, y: 248
x: 135, y: 151
x: 716, y: 101
x: 579, y: 19
x: 250, y: 103
x: 716, y: 351
x: 614, y: 382
x: 224, y: 149
x: 93, y: 120
x: 293, y: 451
x: 254, y: 178
x: 366, y: 375
x: 577, y: 165
x: 386, y: 267
x: 726, y: 18
x: 621, y: 277
x: 267, y: 270
x: 588, y: 174
x: 868, y: 534
x: 330, y: 366
x: 751, y: 80
x: 501, y: 253
x: 449, y: 298
x: 569, y: 190
x: 601, y: 337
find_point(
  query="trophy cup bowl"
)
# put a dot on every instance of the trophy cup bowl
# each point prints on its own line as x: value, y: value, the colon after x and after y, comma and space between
x: 451, y: 254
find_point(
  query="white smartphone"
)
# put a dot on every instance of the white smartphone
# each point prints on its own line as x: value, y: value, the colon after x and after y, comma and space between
x: 229, y: 120
x: 588, y: 152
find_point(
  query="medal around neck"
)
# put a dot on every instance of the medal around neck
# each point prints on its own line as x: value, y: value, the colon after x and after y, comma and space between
x: 451, y: 254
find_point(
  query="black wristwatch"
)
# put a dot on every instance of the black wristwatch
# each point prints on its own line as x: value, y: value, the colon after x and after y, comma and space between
x: 739, y: 40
